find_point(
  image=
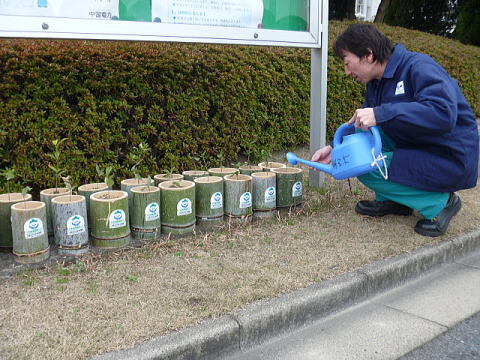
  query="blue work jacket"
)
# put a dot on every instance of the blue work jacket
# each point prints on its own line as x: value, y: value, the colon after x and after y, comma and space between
x: 422, y: 109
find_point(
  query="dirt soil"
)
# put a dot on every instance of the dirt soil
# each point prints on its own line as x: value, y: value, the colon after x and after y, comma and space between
x: 114, y: 300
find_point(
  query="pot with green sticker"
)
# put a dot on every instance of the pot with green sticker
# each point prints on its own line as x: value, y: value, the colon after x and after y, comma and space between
x: 29, y: 232
x: 209, y: 202
x: 238, y: 197
x: 264, y: 194
x: 146, y: 213
x: 6, y: 202
x: 110, y: 219
x: 70, y: 224
x: 289, y: 187
x: 177, y: 200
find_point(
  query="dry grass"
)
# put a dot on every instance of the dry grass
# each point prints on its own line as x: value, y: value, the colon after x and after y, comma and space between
x: 119, y: 299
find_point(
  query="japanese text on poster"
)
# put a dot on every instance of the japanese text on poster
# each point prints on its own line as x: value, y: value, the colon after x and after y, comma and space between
x: 235, y: 13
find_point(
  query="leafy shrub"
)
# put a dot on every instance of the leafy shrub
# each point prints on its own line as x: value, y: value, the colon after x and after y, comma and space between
x: 188, y: 102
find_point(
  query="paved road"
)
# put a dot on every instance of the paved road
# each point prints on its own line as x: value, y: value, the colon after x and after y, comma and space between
x: 461, y: 342
x: 433, y: 317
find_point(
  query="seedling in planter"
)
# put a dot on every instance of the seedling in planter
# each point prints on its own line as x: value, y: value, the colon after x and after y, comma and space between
x: 137, y: 156
x: 106, y: 175
x: 9, y: 175
x: 25, y: 191
x: 55, y: 156
x: 176, y: 184
x: 221, y: 158
x: 169, y: 173
x: 265, y: 155
x: 68, y: 184
x: 237, y: 166
x: 149, y: 183
x: 201, y: 158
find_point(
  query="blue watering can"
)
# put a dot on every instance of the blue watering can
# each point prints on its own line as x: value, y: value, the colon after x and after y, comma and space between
x: 352, y: 155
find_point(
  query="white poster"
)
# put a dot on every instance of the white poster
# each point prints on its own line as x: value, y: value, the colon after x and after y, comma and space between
x: 85, y: 9
x: 236, y: 13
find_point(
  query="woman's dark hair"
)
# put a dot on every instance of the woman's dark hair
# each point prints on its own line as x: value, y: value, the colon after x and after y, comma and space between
x: 361, y: 39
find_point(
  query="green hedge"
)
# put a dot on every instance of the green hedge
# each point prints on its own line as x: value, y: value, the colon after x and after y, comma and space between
x: 194, y: 104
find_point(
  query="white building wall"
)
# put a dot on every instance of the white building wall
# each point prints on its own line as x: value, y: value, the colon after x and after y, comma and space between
x: 366, y: 9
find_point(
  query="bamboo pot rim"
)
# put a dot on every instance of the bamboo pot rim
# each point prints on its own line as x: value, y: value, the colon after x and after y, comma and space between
x: 250, y: 167
x: 170, y: 185
x: 208, y: 180
x: 142, y: 189
x: 195, y: 172
x: 239, y: 177
x: 68, y: 199
x: 226, y: 170
x: 271, y: 165
x: 14, y: 197
x: 142, y: 181
x: 263, y: 174
x: 168, y: 176
x: 28, y: 206
x: 54, y: 191
x: 93, y: 186
x: 113, y: 195
x: 288, y: 170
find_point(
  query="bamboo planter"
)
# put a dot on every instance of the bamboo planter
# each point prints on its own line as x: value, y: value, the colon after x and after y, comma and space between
x: 209, y: 202
x: 178, y: 207
x: 109, y: 212
x: 6, y: 202
x: 270, y: 165
x: 238, y: 196
x: 29, y: 232
x: 87, y: 190
x: 191, y: 175
x: 249, y: 169
x: 70, y: 224
x: 159, y: 178
x: 222, y: 171
x: 264, y: 186
x: 145, y: 213
x: 289, y: 186
x: 46, y: 196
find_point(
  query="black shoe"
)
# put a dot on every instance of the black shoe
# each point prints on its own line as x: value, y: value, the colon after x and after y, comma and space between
x: 439, y: 225
x: 381, y: 208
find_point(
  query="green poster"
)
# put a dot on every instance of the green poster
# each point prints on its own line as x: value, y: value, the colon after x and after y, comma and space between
x: 136, y: 10
x: 286, y: 14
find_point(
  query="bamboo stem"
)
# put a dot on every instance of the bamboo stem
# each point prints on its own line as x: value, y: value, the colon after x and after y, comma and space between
x: 29, y: 232
x: 70, y: 224
x: 6, y: 202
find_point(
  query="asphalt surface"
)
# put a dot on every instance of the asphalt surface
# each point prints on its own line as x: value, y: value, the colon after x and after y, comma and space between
x: 461, y: 342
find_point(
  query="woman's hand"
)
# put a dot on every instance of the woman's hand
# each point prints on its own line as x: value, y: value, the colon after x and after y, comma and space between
x: 323, y: 155
x: 363, y: 118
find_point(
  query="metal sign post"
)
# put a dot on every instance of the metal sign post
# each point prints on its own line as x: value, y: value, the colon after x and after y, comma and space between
x: 318, y: 97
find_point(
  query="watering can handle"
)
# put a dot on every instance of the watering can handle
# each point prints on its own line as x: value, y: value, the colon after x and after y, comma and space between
x: 337, y: 140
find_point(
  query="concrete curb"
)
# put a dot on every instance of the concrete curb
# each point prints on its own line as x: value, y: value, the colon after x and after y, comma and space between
x: 262, y: 320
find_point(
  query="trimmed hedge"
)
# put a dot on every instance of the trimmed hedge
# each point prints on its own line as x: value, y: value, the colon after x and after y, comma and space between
x: 194, y: 104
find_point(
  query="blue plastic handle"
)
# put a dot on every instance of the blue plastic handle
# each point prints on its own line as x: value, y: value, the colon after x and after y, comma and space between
x: 337, y: 140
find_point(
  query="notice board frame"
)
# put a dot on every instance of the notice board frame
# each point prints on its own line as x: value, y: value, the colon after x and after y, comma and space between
x: 316, y: 38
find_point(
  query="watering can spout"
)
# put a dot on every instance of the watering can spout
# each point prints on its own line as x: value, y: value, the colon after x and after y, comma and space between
x: 294, y: 159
